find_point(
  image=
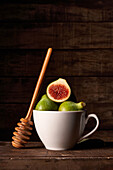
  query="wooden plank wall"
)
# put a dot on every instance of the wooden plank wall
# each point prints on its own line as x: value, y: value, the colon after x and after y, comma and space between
x: 81, y: 35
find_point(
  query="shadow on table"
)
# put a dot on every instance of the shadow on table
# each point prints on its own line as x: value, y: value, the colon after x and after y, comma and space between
x: 93, y: 144
x: 33, y: 145
x: 85, y: 144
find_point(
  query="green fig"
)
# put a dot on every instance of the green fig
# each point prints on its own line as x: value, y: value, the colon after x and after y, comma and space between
x: 45, y: 104
x: 71, y: 106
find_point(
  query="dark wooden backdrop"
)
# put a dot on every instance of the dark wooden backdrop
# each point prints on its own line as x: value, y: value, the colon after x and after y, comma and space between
x: 81, y: 35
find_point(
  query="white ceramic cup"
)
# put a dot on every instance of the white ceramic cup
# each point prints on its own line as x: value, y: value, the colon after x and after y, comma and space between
x: 62, y: 130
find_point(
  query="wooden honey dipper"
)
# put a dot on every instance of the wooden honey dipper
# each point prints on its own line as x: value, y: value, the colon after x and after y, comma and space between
x: 21, y: 136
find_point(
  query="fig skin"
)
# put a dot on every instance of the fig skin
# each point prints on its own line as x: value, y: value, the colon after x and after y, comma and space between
x: 58, y: 91
x: 71, y: 106
x: 45, y: 104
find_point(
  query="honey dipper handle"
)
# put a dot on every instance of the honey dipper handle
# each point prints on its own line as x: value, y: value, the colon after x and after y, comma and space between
x: 29, y: 113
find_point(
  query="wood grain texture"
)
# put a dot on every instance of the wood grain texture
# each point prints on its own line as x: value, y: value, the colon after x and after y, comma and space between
x: 37, y: 151
x: 56, y: 164
x: 105, y: 135
x: 95, y: 91
x: 86, y: 3
x: 81, y: 34
x: 11, y: 114
x: 77, y: 62
x: 56, y: 35
x: 61, y: 12
x: 37, y: 157
x: 88, y: 89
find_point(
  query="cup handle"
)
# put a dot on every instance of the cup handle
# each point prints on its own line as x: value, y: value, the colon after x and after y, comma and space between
x: 95, y: 128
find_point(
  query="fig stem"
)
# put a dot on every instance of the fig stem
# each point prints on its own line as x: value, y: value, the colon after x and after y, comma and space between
x: 81, y: 105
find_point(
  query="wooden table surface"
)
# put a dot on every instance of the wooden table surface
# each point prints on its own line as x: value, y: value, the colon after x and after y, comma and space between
x: 91, y: 154
x: 81, y: 35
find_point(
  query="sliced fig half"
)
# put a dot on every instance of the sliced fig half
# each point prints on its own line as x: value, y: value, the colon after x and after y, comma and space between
x: 59, y: 90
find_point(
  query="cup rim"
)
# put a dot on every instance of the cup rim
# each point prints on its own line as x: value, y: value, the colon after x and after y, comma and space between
x: 78, y: 111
